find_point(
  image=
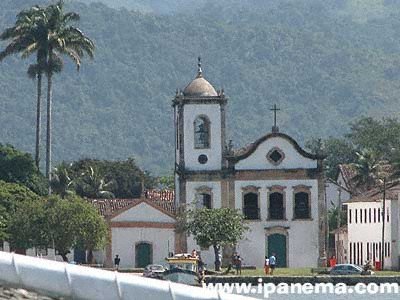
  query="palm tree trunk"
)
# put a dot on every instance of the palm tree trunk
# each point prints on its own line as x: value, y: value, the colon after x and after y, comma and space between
x: 48, y: 142
x: 38, y: 118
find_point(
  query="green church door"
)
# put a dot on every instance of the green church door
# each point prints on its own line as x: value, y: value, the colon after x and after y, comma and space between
x: 144, y: 255
x: 276, y: 243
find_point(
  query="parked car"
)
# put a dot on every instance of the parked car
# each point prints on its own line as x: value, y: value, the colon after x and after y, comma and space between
x: 348, y: 269
x: 153, y: 271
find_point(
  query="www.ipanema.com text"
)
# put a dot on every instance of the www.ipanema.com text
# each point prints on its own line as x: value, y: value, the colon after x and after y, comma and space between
x: 268, y: 289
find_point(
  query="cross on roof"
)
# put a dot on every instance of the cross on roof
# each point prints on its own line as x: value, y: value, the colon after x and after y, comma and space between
x: 275, y: 110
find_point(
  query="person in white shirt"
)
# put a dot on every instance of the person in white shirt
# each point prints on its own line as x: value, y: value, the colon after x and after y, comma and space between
x: 266, y: 265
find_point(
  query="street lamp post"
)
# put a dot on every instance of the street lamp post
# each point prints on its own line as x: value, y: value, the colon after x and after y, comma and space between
x: 383, y: 224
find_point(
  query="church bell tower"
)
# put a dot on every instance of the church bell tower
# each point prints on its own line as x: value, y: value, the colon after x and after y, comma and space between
x: 199, y: 114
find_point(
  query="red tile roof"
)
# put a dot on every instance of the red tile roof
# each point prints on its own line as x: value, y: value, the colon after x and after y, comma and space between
x: 164, y: 200
x: 348, y: 173
x: 392, y: 192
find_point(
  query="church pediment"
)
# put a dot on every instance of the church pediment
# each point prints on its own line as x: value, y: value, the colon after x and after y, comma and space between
x: 274, y: 151
x: 143, y: 212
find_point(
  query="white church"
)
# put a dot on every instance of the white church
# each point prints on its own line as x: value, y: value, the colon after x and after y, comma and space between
x: 277, y: 185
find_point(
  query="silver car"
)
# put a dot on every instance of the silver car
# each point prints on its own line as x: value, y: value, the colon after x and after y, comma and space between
x: 348, y: 269
x: 153, y: 271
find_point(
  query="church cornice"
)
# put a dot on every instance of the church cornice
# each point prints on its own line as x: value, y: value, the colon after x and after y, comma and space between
x: 269, y: 174
x: 253, y: 147
x: 181, y: 100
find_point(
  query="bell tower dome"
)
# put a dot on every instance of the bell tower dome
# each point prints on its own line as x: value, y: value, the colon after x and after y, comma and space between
x: 199, y: 125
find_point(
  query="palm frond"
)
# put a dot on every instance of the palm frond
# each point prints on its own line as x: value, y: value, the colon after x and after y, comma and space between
x: 71, y: 16
x: 33, y: 71
x: 32, y: 48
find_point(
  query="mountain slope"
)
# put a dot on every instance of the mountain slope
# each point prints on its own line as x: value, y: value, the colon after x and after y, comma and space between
x: 319, y: 62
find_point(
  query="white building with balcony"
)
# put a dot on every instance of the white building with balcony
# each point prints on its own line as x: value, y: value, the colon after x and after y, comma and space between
x: 366, y: 217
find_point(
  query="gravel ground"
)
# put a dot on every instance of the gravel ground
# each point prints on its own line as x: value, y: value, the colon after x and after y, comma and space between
x: 20, y: 294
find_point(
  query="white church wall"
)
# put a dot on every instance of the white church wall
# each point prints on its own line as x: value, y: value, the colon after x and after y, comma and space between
x: 288, y: 184
x: 302, y: 234
x: 143, y: 212
x: 258, y: 160
x: 125, y: 239
x: 191, y: 190
x: 212, y: 111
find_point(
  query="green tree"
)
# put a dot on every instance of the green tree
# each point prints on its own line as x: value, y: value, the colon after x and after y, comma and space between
x: 381, y: 137
x: 395, y: 163
x: 71, y: 222
x: 63, y: 39
x: 26, y: 228
x: 3, y: 224
x: 13, y: 196
x: 166, y: 182
x: 19, y: 167
x: 213, y: 227
x: 337, y: 151
x: 91, y: 184
x: 333, y: 218
x: 124, y: 179
x: 368, y: 167
x: 61, y: 181
x: 28, y: 36
x: 55, y: 222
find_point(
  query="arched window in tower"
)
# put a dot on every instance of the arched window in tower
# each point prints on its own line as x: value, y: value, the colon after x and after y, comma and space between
x: 201, y: 132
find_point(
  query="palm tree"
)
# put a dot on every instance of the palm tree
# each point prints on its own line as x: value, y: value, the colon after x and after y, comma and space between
x: 368, y: 167
x: 92, y: 184
x: 61, y: 181
x: 63, y: 39
x: 28, y: 36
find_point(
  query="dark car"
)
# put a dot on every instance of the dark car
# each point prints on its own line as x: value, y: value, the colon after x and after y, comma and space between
x: 348, y: 269
x: 153, y: 271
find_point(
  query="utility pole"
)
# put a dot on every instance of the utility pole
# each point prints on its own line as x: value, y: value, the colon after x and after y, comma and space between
x: 383, y: 224
x: 339, y: 217
x: 327, y: 225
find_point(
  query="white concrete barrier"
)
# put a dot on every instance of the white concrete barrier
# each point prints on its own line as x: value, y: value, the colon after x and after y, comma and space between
x: 77, y: 282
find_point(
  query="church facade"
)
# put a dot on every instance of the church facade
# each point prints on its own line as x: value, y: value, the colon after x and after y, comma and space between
x: 277, y: 185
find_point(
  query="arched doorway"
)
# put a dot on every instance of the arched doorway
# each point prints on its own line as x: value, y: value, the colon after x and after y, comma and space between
x: 143, y: 254
x: 276, y: 243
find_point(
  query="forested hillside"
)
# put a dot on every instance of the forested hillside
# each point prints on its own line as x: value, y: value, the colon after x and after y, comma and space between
x: 324, y: 63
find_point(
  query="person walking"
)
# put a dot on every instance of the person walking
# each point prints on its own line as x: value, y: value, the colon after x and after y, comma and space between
x: 272, y: 263
x: 238, y: 265
x: 266, y: 265
x: 117, y: 260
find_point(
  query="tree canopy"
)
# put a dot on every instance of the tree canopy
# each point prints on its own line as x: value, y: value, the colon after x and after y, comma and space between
x: 368, y: 145
x: 94, y: 178
x: 19, y: 167
x: 214, y: 227
x: 62, y: 223
x: 12, y: 196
